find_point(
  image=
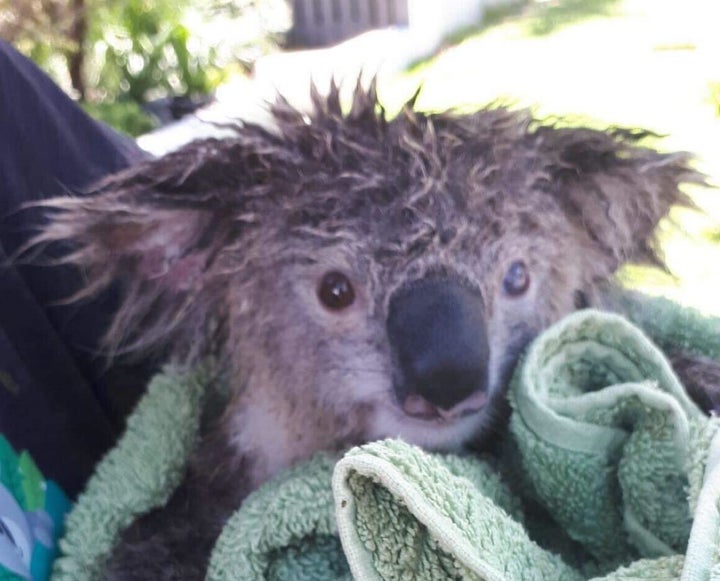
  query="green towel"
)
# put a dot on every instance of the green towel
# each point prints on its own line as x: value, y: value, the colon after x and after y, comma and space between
x: 140, y: 473
x: 608, y: 442
x: 609, y: 472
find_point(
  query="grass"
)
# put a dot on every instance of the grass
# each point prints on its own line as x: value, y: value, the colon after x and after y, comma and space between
x: 633, y: 63
x: 493, y: 16
x: 714, y: 95
x: 713, y: 236
x: 549, y: 17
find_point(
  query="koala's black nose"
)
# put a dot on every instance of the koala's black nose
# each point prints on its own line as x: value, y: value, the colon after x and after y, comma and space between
x: 437, y: 329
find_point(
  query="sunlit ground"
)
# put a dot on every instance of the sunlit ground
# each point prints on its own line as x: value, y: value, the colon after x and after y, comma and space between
x: 638, y: 63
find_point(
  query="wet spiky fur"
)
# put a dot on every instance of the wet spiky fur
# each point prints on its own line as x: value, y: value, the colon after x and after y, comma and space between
x: 221, y: 245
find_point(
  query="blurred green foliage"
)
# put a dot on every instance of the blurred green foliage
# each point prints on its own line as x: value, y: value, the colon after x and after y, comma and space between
x: 127, y: 116
x: 116, y: 55
x: 142, y: 51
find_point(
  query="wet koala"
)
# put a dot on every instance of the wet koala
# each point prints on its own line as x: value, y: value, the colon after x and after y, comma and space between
x: 358, y: 277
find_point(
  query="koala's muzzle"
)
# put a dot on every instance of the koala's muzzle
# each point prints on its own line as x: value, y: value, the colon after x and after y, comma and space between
x: 437, y: 329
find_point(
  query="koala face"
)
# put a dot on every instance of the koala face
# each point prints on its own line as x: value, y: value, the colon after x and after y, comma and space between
x: 360, y: 277
x: 376, y: 344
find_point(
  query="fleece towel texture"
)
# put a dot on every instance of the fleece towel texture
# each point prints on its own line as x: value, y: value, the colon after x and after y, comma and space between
x: 139, y: 474
x: 609, y: 472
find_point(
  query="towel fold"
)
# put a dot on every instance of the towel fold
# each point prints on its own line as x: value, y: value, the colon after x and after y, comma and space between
x: 608, y: 440
x: 139, y: 474
x: 609, y: 472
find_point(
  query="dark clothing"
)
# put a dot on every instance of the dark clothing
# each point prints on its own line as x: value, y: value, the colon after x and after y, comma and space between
x: 57, y: 397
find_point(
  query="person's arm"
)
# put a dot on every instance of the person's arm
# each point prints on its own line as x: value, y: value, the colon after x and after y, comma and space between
x: 57, y: 398
x: 48, y: 144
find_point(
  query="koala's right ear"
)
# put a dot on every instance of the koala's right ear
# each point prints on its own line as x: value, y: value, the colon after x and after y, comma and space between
x: 615, y: 190
x: 156, y: 229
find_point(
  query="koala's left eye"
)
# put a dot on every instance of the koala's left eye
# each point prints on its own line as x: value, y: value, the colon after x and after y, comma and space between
x: 517, y: 279
x: 336, y: 291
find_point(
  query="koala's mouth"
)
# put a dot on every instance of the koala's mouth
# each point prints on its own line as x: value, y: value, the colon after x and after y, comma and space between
x: 417, y: 407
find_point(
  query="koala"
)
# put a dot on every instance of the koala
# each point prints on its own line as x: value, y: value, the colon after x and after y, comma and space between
x: 358, y: 277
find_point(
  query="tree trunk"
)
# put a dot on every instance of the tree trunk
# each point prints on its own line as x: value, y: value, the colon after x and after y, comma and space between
x: 76, y: 59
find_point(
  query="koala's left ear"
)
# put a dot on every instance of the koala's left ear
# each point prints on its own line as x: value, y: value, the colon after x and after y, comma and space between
x: 157, y: 230
x: 614, y: 190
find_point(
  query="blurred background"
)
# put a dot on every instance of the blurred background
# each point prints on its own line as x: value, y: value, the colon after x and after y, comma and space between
x: 165, y: 71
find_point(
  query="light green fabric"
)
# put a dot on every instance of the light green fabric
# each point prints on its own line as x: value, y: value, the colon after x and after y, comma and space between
x: 608, y: 441
x: 140, y: 473
x: 284, y: 531
x: 405, y: 514
x: 609, y: 472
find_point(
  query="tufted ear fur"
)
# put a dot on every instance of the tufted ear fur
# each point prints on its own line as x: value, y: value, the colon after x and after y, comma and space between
x: 174, y: 230
x: 614, y: 190
x: 159, y: 229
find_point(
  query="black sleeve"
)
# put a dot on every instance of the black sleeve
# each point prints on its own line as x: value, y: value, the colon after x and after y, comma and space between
x: 58, y: 397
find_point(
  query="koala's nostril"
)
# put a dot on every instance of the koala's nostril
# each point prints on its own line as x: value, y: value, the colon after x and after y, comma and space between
x: 418, y: 407
x: 438, y: 332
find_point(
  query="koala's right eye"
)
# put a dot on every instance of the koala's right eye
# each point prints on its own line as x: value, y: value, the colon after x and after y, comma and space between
x: 517, y: 279
x: 336, y: 291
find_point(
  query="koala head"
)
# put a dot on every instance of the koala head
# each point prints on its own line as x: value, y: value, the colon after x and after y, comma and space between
x: 363, y: 277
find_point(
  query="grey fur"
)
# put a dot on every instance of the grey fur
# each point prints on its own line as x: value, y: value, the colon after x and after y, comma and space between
x: 221, y: 246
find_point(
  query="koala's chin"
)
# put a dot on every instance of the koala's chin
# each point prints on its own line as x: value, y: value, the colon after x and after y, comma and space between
x: 442, y: 435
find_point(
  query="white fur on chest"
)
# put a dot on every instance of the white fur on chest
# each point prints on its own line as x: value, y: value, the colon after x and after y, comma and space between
x: 268, y: 437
